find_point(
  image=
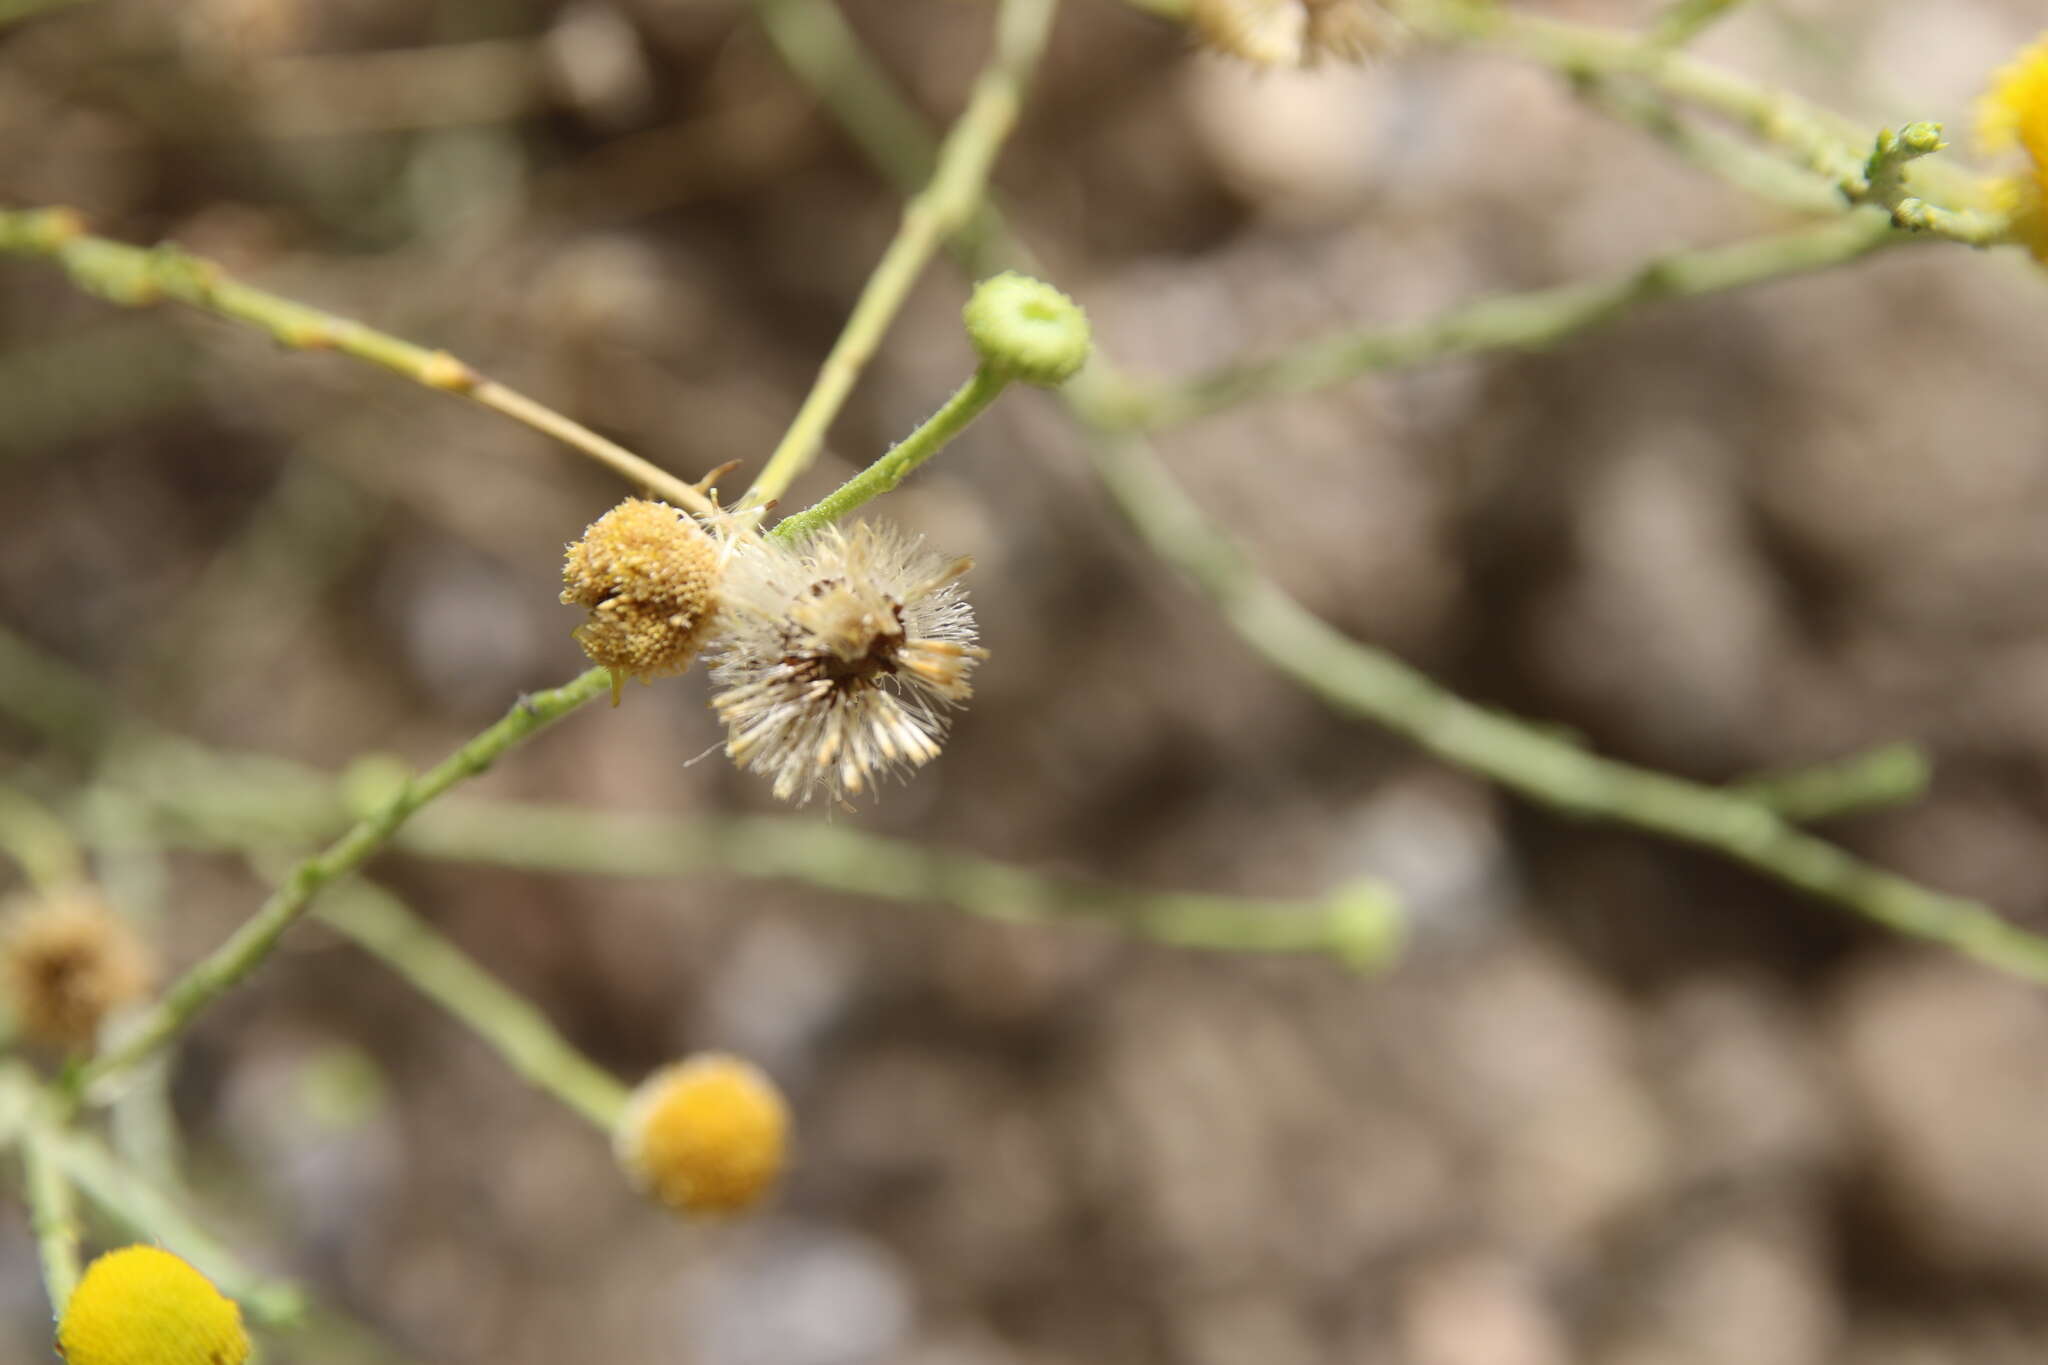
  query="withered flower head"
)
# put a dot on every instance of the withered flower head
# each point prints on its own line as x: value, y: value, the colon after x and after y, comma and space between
x: 836, y: 657
x: 68, y: 962
x: 1291, y: 32
x: 648, y: 576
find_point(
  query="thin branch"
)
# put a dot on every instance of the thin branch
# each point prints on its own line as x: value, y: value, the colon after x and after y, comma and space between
x: 931, y: 436
x: 1525, y: 321
x: 139, y: 276
x: 380, y: 923
x: 948, y: 203
x: 142, y: 1209
x: 53, y: 1214
x: 248, y: 946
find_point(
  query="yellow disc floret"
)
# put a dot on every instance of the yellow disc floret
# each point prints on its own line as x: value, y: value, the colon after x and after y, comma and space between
x: 2014, y: 113
x: 143, y: 1306
x: 648, y: 576
x: 706, y: 1135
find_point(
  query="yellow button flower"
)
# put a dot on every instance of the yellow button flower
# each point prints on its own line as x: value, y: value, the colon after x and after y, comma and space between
x: 2014, y: 113
x: 706, y: 1135
x: 143, y: 1306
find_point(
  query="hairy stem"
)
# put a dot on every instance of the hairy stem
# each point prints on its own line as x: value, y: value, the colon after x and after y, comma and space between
x: 248, y: 946
x: 968, y: 402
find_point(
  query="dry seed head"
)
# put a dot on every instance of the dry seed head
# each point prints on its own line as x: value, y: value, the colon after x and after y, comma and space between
x: 706, y: 1136
x: 836, y: 657
x: 143, y: 1306
x: 1294, y: 33
x: 68, y: 962
x: 648, y: 576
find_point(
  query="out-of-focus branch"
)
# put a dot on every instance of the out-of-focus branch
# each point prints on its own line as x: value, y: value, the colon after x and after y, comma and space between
x: 383, y: 926
x: 1526, y: 321
x: 53, y: 1214
x: 140, y: 1207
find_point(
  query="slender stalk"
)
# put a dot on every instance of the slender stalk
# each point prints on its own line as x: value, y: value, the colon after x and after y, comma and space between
x: 968, y: 402
x: 1357, y: 923
x: 1684, y: 20
x: 1820, y: 138
x: 139, y: 276
x: 948, y: 203
x: 13, y: 11
x: 37, y: 840
x: 1524, y: 321
x: 145, y: 1211
x: 1368, y: 683
x: 248, y: 946
x: 1886, y: 776
x: 380, y: 923
x: 53, y: 1214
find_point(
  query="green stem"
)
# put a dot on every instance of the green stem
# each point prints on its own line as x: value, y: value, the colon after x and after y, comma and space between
x: 1524, y: 321
x: 1373, y: 685
x: 379, y: 923
x: 249, y: 945
x: 144, y: 1211
x: 948, y: 203
x: 1357, y: 924
x: 1685, y: 20
x: 14, y: 11
x: 138, y: 276
x: 1820, y: 138
x: 38, y: 841
x: 1887, y: 776
x: 53, y: 1214
x: 968, y: 402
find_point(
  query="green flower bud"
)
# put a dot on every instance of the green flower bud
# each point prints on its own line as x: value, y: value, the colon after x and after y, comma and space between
x: 1027, y: 330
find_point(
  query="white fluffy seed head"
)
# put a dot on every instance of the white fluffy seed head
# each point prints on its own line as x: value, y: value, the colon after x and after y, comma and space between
x: 836, y: 658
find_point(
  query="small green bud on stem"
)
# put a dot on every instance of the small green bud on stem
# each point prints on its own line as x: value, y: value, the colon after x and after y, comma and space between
x: 1026, y: 330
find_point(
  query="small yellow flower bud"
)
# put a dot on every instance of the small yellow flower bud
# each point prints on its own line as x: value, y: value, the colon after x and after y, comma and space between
x: 648, y: 576
x: 143, y: 1306
x: 67, y: 962
x: 2014, y: 113
x: 1027, y: 330
x: 706, y: 1135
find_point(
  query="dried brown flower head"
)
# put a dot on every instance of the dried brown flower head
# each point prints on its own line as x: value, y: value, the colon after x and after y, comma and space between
x: 648, y: 576
x: 1291, y: 32
x: 67, y: 962
x: 836, y: 657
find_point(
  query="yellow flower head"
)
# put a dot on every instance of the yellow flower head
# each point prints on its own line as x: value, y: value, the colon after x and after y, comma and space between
x: 648, y: 576
x: 144, y: 1306
x: 66, y: 962
x: 706, y: 1135
x: 2014, y: 113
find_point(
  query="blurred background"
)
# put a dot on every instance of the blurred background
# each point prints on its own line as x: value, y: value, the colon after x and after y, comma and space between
x: 1621, y: 1103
